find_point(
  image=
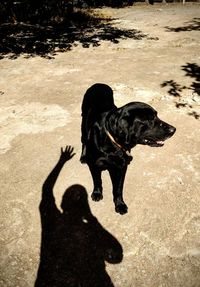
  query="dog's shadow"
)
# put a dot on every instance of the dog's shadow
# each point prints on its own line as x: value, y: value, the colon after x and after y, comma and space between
x: 74, y: 245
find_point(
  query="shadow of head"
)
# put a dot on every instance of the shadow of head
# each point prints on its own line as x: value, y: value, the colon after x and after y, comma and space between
x: 75, y: 206
x: 75, y: 198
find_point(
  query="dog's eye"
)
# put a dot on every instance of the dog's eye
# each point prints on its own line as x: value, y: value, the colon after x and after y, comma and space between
x: 151, y: 124
x: 143, y: 127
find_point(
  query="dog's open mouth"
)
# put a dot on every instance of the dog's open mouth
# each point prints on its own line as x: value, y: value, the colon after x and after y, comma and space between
x: 153, y: 143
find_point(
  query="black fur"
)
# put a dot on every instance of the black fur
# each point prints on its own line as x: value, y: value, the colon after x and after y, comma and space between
x: 109, y: 133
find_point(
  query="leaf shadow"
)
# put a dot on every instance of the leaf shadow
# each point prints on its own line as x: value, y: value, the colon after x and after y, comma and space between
x: 193, y: 25
x: 175, y: 90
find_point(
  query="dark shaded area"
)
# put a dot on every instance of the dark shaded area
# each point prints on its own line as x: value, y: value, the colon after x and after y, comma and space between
x: 47, y: 39
x: 192, y: 70
x: 74, y: 245
x: 193, y: 25
x: 45, y: 10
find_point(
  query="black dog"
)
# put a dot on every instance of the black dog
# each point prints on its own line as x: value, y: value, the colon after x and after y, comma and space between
x: 109, y: 133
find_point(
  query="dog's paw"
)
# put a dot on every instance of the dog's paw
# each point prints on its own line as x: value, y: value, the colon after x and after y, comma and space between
x: 97, y: 195
x: 83, y: 159
x: 121, y: 208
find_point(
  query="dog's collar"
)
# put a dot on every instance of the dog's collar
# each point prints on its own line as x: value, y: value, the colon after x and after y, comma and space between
x: 116, y: 143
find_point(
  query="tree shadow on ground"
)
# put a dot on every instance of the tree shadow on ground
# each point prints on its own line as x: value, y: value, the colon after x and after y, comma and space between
x: 191, y: 70
x: 74, y: 245
x: 193, y: 25
x: 46, y: 40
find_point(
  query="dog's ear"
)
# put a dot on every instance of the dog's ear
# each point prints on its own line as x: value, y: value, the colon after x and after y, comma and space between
x: 125, y: 129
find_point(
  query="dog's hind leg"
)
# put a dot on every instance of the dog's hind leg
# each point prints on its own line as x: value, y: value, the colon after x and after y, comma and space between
x: 117, y: 178
x: 97, y: 193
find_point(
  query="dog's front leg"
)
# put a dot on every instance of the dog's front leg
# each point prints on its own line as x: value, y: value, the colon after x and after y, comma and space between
x: 97, y: 193
x: 117, y: 177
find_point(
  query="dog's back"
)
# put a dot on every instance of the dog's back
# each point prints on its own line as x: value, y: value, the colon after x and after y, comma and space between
x: 97, y: 99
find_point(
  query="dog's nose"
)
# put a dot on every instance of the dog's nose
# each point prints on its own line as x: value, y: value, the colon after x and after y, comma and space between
x: 172, y: 130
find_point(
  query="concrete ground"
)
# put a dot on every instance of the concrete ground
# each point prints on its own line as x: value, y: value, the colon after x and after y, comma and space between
x: 40, y: 113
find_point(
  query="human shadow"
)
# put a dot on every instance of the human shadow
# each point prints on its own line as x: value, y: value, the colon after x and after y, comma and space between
x: 74, y: 245
x: 60, y: 34
x: 193, y: 25
x: 191, y: 70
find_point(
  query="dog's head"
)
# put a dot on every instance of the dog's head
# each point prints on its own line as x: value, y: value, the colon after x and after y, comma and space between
x: 138, y: 123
